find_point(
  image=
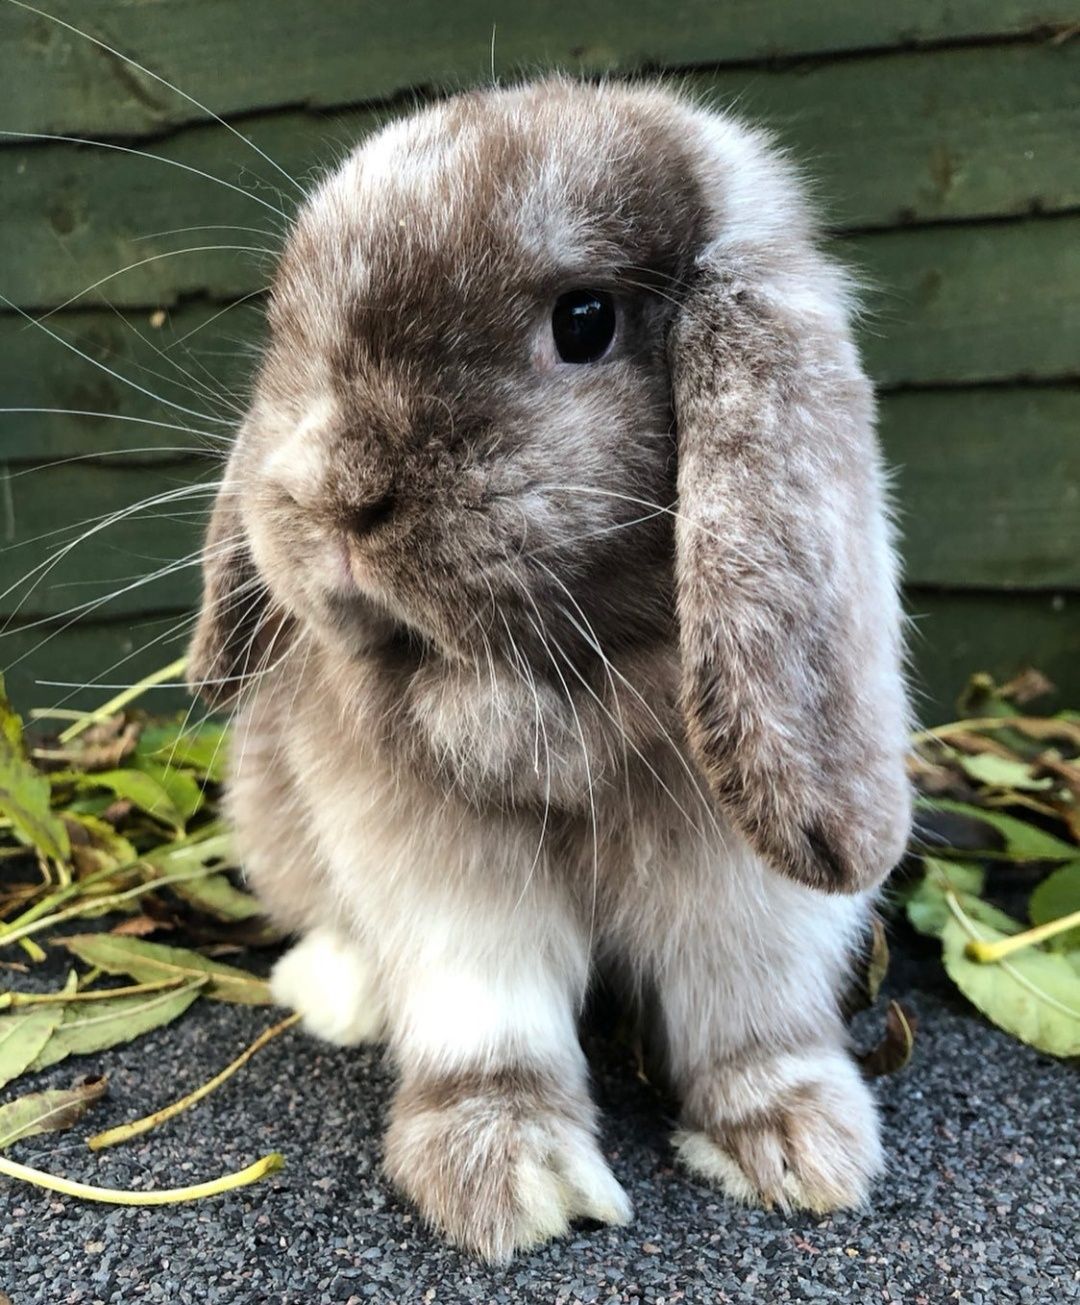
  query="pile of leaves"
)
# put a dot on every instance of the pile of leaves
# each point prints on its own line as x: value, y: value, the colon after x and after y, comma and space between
x: 998, y: 836
x: 113, y: 818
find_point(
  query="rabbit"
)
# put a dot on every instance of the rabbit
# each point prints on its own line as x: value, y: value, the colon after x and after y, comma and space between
x: 553, y: 585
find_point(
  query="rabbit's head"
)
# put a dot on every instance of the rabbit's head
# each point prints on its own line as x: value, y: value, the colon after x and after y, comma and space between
x: 558, y: 368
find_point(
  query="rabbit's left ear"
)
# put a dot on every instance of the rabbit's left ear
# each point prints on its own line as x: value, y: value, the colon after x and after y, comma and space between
x: 786, y: 585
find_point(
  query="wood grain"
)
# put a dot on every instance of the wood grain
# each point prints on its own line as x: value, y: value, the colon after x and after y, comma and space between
x: 908, y: 138
x: 343, y: 52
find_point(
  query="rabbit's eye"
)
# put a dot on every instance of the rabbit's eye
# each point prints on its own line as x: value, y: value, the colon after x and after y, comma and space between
x: 583, y: 324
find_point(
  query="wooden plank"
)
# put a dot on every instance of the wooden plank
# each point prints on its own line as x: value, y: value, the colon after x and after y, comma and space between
x: 945, y: 304
x: 120, y: 544
x: 953, y: 635
x: 971, y: 303
x: 243, y: 55
x: 94, y: 655
x: 910, y: 137
x: 191, y: 359
x: 988, y: 486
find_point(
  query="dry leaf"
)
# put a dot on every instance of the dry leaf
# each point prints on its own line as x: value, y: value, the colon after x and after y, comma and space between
x: 50, y: 1111
x: 893, y: 1052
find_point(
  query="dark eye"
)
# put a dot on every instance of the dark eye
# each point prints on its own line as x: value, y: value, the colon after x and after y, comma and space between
x: 583, y: 324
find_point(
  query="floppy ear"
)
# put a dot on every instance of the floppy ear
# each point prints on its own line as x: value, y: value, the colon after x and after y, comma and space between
x: 786, y: 586
x: 236, y: 624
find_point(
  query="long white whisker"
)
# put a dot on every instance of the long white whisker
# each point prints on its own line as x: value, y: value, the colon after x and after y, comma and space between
x: 143, y: 154
x: 124, y: 380
x: 155, y: 258
x: 132, y: 63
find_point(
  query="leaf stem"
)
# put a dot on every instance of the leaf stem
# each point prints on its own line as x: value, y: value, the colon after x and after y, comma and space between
x: 269, y: 1164
x: 124, y: 1132
x: 109, y: 708
x: 9, y: 999
x: 99, y: 904
x: 204, y: 835
x: 987, y: 952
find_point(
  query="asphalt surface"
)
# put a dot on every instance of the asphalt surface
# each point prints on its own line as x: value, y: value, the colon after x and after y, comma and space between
x: 980, y: 1205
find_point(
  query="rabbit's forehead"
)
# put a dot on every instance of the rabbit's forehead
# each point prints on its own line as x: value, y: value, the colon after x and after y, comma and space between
x: 491, y: 194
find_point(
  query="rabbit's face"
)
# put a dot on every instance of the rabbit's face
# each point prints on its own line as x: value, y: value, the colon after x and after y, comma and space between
x: 462, y: 433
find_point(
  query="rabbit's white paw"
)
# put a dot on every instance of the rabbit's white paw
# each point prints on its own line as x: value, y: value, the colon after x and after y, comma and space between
x: 500, y: 1161
x: 330, y: 982
x: 797, y: 1131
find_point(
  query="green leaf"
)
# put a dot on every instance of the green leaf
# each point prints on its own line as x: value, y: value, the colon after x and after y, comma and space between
x: 176, y: 743
x: 184, y: 793
x: 95, y: 843
x: 25, y: 794
x: 927, y: 908
x: 87, y: 1028
x: 1002, y: 772
x: 1034, y: 995
x: 49, y: 1112
x: 216, y: 896
x: 1017, y: 840
x: 1057, y: 896
x: 146, y: 961
x: 23, y: 1037
x: 142, y: 790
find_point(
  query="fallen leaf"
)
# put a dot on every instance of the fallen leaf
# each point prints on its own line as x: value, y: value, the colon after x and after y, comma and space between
x: 50, y: 1111
x: 927, y: 906
x: 1002, y: 772
x: 138, y: 927
x: 142, y: 790
x: 878, y: 965
x: 147, y: 961
x: 184, y: 792
x: 102, y: 747
x: 25, y: 793
x: 177, y: 743
x: 1057, y: 896
x: 893, y: 1052
x: 217, y: 897
x: 23, y: 1036
x: 95, y: 844
x: 1015, y: 839
x: 1034, y: 995
x: 98, y: 1026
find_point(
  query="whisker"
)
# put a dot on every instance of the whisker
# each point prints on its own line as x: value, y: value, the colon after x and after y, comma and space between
x: 162, y: 81
x: 143, y: 154
x: 155, y: 258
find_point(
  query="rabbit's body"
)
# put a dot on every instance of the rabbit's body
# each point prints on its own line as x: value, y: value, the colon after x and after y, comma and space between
x: 534, y: 685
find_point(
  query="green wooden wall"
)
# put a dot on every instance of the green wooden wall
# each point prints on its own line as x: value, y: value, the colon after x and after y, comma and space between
x: 944, y: 137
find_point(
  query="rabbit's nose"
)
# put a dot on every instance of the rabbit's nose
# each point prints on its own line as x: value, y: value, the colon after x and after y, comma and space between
x: 365, y: 518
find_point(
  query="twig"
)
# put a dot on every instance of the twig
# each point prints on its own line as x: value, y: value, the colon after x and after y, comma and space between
x: 201, y: 837
x: 9, y: 999
x: 96, y: 904
x: 986, y: 952
x: 122, y: 699
x: 269, y: 1164
x: 124, y: 1132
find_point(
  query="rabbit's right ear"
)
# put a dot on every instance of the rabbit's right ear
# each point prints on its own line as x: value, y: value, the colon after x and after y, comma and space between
x: 236, y: 624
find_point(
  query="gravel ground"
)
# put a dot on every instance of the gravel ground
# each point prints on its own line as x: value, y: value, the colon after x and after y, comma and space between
x: 979, y: 1206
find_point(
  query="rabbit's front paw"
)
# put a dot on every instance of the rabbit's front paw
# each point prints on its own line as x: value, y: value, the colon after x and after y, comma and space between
x: 794, y: 1131
x: 500, y: 1161
x: 331, y: 984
